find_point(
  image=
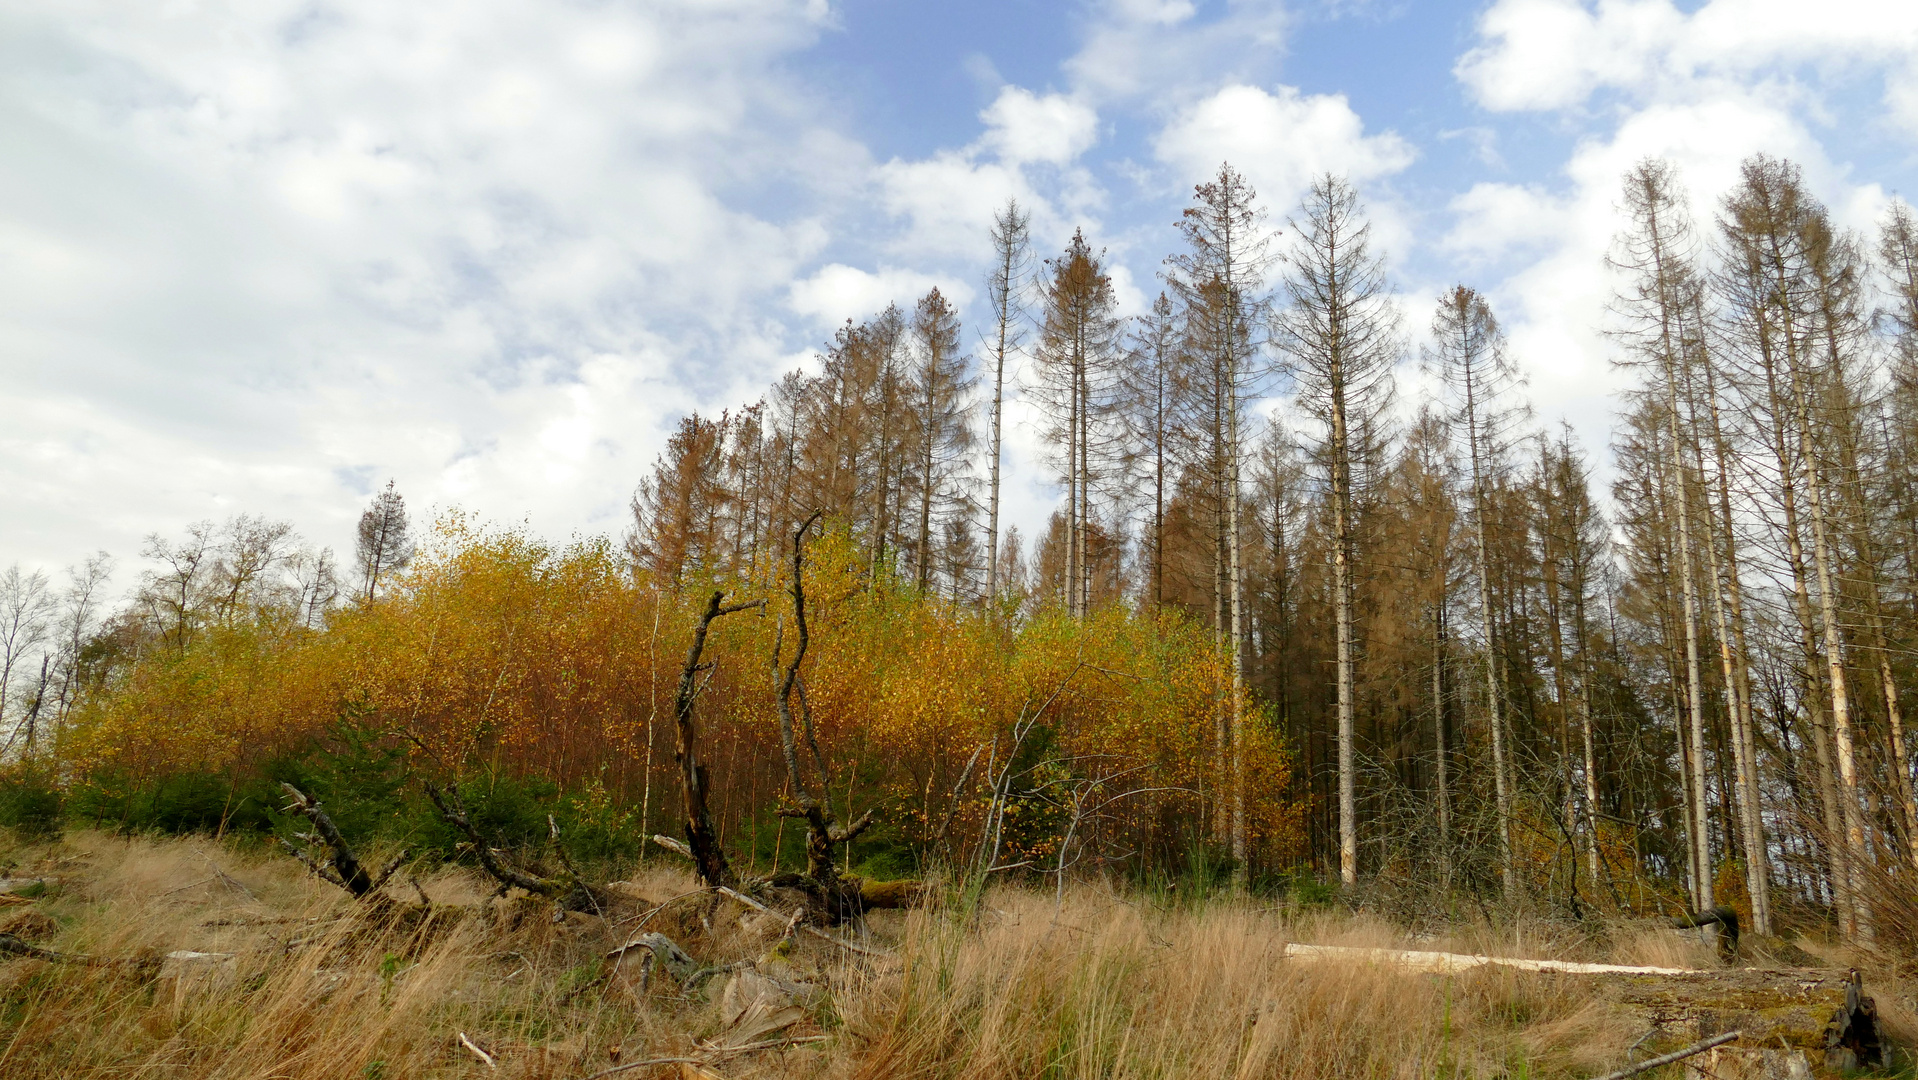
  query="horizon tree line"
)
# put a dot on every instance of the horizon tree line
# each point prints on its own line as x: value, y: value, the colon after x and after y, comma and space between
x: 1490, y: 676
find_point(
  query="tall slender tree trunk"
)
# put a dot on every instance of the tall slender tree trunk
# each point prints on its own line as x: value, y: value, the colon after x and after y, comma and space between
x: 1240, y: 853
x: 927, y: 463
x: 1843, y: 745
x: 1594, y: 854
x: 1342, y: 590
x: 1085, y: 493
x: 1501, y: 769
x: 1698, y: 824
x: 1562, y: 697
x: 1441, y: 743
x: 1728, y: 607
x: 1158, y: 492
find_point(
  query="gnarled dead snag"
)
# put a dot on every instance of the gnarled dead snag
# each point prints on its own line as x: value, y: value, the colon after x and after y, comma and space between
x: 823, y: 832
x: 701, y: 838
x: 342, y: 866
x: 567, y: 889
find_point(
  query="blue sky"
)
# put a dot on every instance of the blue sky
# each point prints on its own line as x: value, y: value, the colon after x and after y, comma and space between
x: 261, y: 256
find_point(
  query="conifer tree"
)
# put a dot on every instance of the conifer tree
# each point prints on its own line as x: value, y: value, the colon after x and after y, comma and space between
x: 1468, y: 354
x: 1220, y: 280
x: 1341, y: 342
x: 1005, y: 284
x: 1076, y: 379
x: 384, y: 547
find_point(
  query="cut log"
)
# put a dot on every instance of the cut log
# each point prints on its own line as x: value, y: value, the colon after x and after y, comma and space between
x: 1446, y: 962
x: 1823, y: 1015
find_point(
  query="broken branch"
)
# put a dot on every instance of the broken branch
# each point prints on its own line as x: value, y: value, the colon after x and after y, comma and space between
x: 1676, y: 1055
x: 813, y: 930
x: 567, y: 890
x: 477, y: 1052
x: 348, y: 873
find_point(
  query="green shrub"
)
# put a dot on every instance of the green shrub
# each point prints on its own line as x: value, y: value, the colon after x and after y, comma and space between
x: 180, y: 803
x: 30, y: 802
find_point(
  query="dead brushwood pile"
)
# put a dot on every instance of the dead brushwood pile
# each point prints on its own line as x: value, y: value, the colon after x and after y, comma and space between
x: 208, y: 961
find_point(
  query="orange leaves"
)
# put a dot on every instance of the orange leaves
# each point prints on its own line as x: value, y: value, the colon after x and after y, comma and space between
x: 498, y: 651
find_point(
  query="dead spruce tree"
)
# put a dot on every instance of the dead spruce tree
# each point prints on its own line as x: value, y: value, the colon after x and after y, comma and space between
x: 1657, y: 303
x: 1220, y: 281
x: 1468, y: 355
x: 1340, y: 341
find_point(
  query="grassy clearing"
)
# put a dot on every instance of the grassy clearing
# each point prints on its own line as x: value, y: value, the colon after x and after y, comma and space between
x: 1100, y: 985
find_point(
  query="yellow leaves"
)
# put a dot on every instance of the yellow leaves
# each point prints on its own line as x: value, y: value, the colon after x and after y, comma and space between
x: 496, y: 649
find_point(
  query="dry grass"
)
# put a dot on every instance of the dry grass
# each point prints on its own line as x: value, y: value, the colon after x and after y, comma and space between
x: 1104, y: 986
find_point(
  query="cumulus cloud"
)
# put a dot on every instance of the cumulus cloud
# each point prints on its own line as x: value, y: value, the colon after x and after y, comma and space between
x: 256, y: 251
x: 1025, y: 127
x: 1554, y: 54
x: 837, y: 292
x: 1029, y: 151
x: 1281, y: 139
x: 1550, y: 285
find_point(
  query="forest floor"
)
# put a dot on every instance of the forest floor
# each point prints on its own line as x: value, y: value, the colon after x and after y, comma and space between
x: 285, y: 979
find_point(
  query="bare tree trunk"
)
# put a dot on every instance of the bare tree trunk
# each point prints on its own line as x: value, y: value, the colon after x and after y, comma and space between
x: 927, y: 465
x: 1728, y: 603
x: 1342, y: 597
x: 1009, y: 250
x: 701, y: 838
x: 1443, y: 747
x: 1842, y: 739
x: 1501, y: 770
x: 1699, y: 828
x: 1240, y: 853
x: 1594, y: 856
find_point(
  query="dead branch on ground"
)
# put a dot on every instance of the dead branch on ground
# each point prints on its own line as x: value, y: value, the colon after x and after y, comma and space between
x: 328, y: 855
x: 567, y: 889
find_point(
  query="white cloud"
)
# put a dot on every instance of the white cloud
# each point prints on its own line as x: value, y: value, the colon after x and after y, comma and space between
x: 1494, y: 220
x: 1554, y: 54
x: 1025, y: 127
x: 1141, y: 50
x: 480, y: 247
x: 1280, y: 139
x: 1552, y: 288
x: 947, y: 199
x: 838, y: 292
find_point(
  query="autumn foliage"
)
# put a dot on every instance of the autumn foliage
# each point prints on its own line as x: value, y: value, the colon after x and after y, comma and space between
x: 498, y: 654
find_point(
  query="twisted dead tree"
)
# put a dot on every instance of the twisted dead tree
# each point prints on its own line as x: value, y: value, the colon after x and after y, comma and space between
x: 702, y: 840
x: 839, y: 898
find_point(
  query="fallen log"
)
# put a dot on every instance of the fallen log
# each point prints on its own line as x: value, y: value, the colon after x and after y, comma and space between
x: 1445, y: 962
x: 1823, y: 1015
x: 849, y: 946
